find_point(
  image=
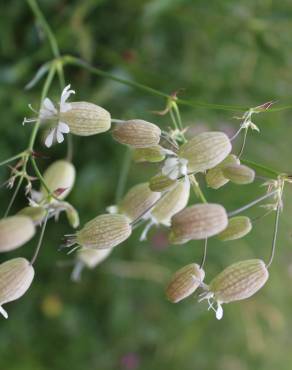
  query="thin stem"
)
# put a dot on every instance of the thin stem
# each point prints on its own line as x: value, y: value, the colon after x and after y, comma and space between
x: 175, y: 124
x: 19, y: 155
x: 261, y: 168
x: 69, y: 155
x: 40, y: 240
x: 123, y: 175
x: 243, y: 143
x: 275, y: 235
x: 14, y: 196
x: 204, y: 254
x: 68, y: 59
x: 197, y: 189
x: 47, y: 29
x: 251, y: 204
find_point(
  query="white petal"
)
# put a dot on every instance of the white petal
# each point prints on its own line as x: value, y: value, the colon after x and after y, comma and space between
x: 219, y: 311
x: 63, y: 127
x: 50, y: 138
x: 65, y: 95
x: 3, y: 312
x: 60, y: 137
x: 48, y: 104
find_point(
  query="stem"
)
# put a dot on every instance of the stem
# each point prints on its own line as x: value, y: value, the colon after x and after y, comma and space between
x: 40, y: 240
x: 68, y: 59
x: 123, y: 175
x: 204, y: 254
x: 14, y: 196
x: 274, y: 236
x: 19, y: 155
x: 41, y: 178
x: 259, y: 167
x: 251, y: 204
x: 243, y: 143
x: 47, y: 29
x: 197, y: 189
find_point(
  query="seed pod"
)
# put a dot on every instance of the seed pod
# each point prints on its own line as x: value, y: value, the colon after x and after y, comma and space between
x: 205, y: 150
x: 85, y: 119
x: 137, y: 133
x: 237, y: 228
x: 239, y: 281
x: 36, y: 214
x: 138, y: 200
x: 60, y: 177
x: 239, y: 174
x: 91, y: 258
x: 151, y: 154
x: 104, y: 231
x: 184, y: 282
x: 215, y: 178
x: 16, y: 276
x: 171, y: 203
x: 15, y: 231
x: 161, y: 183
x: 198, y: 222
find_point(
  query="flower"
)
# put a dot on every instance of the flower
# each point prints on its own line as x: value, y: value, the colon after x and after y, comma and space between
x: 175, y: 167
x: 49, y: 111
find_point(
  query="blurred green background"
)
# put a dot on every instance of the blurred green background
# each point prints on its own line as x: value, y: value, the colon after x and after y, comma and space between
x: 228, y: 52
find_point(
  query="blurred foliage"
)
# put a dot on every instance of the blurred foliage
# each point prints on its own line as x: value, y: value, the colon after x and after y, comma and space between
x: 229, y: 52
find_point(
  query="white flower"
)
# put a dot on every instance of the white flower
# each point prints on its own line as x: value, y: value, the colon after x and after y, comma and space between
x: 49, y: 111
x: 211, y: 301
x: 175, y: 167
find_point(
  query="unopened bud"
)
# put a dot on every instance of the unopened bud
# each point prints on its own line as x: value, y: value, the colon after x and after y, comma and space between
x: 198, y: 222
x: 239, y: 174
x: 16, y: 276
x: 184, y: 282
x: 150, y: 154
x: 138, y: 200
x: 215, y: 178
x: 137, y: 133
x: 205, y: 150
x: 60, y: 178
x: 15, y: 231
x: 86, y: 119
x: 171, y: 203
x: 237, y: 228
x: 239, y: 281
x: 104, y: 231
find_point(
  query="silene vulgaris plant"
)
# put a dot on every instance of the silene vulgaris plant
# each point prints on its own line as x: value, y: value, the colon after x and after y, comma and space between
x: 160, y: 201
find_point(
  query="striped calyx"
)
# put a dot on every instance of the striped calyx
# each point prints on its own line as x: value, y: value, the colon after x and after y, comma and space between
x: 205, y: 151
x: 85, y: 119
x: 215, y: 178
x: 15, y: 231
x: 237, y: 228
x: 104, y: 231
x: 16, y: 276
x: 151, y: 154
x: 239, y: 174
x: 184, y: 282
x: 198, y: 222
x: 137, y: 133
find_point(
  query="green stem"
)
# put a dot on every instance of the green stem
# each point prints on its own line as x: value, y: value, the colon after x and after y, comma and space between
x: 40, y: 240
x: 197, y: 189
x: 264, y: 170
x: 123, y: 175
x: 14, y: 196
x: 19, y: 155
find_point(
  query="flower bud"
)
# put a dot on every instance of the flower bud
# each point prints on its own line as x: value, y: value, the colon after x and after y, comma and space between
x: 171, y: 203
x: 205, y: 150
x: 91, y: 258
x: 36, y: 214
x: 15, y: 231
x: 215, y: 178
x: 239, y: 174
x: 16, y: 276
x: 138, y: 200
x: 137, y: 133
x: 150, y: 154
x: 198, y: 222
x: 161, y: 183
x: 237, y: 228
x: 72, y: 215
x: 86, y: 119
x: 239, y: 281
x: 184, y: 282
x: 60, y: 177
x: 104, y: 231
